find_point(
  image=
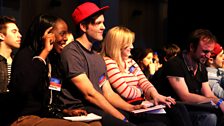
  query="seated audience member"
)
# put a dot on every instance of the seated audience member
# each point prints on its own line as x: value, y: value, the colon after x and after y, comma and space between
x: 168, y: 52
x: 215, y: 71
x: 127, y: 79
x: 144, y: 58
x: 56, y: 73
x: 31, y: 72
x: 156, y: 61
x: 85, y: 70
x: 223, y: 66
x: 185, y: 78
x: 10, y: 39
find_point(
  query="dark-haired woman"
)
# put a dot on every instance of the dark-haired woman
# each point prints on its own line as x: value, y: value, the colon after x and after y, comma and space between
x: 31, y: 76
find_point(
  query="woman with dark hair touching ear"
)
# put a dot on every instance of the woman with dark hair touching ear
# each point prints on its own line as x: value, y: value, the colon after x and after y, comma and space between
x: 31, y: 72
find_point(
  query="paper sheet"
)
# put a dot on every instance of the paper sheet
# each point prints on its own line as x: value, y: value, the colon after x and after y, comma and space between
x: 89, y: 117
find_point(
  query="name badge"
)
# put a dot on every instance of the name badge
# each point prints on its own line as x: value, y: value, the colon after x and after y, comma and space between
x: 55, y: 84
x: 133, y: 70
x: 102, y: 80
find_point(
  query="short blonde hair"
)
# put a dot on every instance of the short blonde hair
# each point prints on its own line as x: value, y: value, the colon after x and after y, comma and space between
x: 115, y: 40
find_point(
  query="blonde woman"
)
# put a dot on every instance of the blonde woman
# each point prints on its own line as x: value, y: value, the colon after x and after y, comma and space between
x: 124, y: 74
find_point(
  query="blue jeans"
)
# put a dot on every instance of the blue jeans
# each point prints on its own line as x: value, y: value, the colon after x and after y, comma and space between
x: 200, y: 118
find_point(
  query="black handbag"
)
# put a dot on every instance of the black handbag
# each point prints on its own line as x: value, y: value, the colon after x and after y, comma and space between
x: 55, y: 111
x: 55, y: 108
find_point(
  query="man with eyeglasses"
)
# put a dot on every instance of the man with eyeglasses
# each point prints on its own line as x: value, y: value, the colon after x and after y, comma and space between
x: 186, y: 78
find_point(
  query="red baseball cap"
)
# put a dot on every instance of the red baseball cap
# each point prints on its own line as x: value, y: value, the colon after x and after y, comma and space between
x: 85, y: 10
x: 217, y: 49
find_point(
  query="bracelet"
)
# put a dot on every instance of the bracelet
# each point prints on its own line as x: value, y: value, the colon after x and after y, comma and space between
x: 38, y: 57
x: 219, y: 102
x: 125, y: 119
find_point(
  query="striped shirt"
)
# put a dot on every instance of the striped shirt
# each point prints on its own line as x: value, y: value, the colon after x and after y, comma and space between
x: 9, y: 73
x: 130, y: 83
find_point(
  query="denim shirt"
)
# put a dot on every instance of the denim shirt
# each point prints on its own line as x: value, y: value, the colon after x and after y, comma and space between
x: 216, y: 81
x: 3, y: 75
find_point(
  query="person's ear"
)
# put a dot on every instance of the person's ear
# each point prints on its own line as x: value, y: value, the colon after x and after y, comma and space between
x: 192, y: 48
x: 2, y: 36
x: 83, y: 27
x: 210, y: 60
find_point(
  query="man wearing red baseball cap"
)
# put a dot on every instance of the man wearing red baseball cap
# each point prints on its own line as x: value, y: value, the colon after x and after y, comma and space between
x: 86, y: 72
x: 215, y: 71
